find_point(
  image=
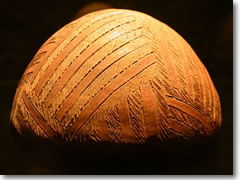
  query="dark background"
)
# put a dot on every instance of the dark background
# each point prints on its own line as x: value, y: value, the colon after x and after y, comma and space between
x: 207, y: 25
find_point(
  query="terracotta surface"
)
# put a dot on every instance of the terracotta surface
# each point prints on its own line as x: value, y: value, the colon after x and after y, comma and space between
x: 116, y: 76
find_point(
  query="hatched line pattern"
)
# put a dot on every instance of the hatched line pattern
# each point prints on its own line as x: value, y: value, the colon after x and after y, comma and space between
x: 136, y: 117
x: 150, y: 113
x: 194, y: 79
x: 167, y: 121
x: 113, y: 124
x: 116, y: 84
x: 163, y: 45
x: 73, y: 43
x: 95, y: 72
x: 38, y: 117
x: 64, y: 41
x: 175, y: 57
x: 104, y: 54
x: 189, y: 110
x: 73, y: 86
x: 125, y: 120
x: 76, y: 64
x: 200, y: 88
x: 20, y: 120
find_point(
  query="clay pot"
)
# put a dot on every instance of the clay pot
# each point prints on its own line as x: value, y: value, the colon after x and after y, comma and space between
x: 119, y: 77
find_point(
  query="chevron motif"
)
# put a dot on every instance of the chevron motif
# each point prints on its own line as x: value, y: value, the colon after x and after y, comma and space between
x: 116, y: 76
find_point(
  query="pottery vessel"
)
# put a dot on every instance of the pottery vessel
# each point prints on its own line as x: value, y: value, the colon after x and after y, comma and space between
x: 116, y: 76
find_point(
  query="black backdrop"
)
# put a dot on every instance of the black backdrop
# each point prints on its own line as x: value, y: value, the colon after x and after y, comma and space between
x: 206, y: 25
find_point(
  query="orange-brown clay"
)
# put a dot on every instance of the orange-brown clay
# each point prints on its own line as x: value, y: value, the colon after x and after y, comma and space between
x: 116, y: 76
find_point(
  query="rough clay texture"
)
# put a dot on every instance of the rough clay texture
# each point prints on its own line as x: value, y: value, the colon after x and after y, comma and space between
x: 116, y: 76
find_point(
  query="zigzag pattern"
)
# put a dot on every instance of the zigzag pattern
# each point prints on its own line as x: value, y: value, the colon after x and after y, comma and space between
x: 117, y: 76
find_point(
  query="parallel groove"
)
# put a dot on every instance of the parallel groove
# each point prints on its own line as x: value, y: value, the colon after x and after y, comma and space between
x: 125, y: 120
x: 185, y: 65
x: 38, y: 117
x: 67, y: 36
x: 208, y: 90
x: 48, y: 53
x: 109, y: 61
x: 72, y: 69
x: 159, y: 53
x: 194, y: 77
x: 162, y: 111
x: 165, y: 50
x: 193, y: 89
x: 20, y: 118
x: 150, y: 114
x: 112, y: 77
x: 101, y: 128
x: 175, y: 55
x: 178, y: 114
x: 200, y: 83
x: 106, y: 84
x: 113, y: 123
x: 212, y: 98
x: 136, y: 117
x: 59, y: 99
x: 31, y: 67
x: 188, y: 76
x: 84, y: 116
x: 83, y: 35
x: 189, y: 110
x: 180, y: 128
x: 205, y: 87
x: 73, y: 43
x: 162, y: 104
x: 105, y: 58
